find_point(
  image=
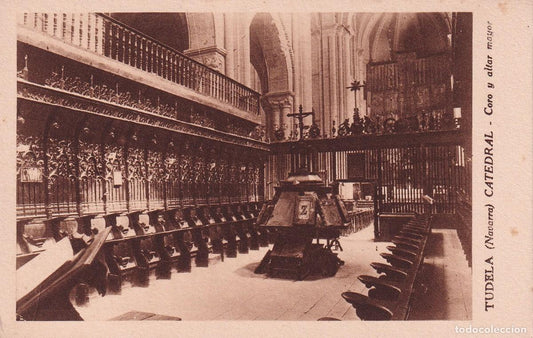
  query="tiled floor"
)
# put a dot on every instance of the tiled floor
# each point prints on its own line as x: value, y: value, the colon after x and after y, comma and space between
x: 230, y: 290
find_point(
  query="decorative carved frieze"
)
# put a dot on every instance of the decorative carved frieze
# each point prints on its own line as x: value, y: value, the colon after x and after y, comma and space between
x: 42, y: 94
x: 202, y: 119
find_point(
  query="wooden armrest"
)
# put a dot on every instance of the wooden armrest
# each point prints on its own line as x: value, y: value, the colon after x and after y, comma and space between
x: 402, y: 252
x: 397, y: 261
x: 390, y: 271
x: 367, y: 308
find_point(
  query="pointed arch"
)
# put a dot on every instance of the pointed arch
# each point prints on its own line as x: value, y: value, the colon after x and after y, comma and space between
x: 270, y: 53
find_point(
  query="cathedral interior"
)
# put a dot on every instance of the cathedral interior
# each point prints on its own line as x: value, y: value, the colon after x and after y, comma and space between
x: 244, y: 166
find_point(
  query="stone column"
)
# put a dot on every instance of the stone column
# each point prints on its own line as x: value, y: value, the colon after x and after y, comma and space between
x: 329, y: 63
x: 242, y: 43
x: 277, y: 105
x: 331, y: 41
x: 286, y: 108
x: 348, y: 103
x: 304, y: 69
x: 229, y: 44
x: 362, y: 60
x: 213, y: 57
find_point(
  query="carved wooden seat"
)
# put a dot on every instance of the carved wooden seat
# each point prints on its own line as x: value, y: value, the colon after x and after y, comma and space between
x: 137, y: 315
x: 414, y: 241
x: 397, y: 261
x: 423, y: 228
x: 381, y: 289
x: 323, y: 319
x: 415, y: 229
x: 391, y: 272
x: 418, y: 224
x: 389, y: 295
x: 419, y: 221
x: 409, y: 254
x: 411, y: 234
x: 405, y: 244
x: 366, y: 307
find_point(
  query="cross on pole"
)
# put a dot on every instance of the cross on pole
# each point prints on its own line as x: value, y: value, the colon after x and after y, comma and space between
x: 300, y: 116
x: 354, y: 87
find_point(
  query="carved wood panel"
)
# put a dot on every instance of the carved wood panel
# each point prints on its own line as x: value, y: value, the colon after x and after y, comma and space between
x: 223, y: 178
x: 187, y: 177
x: 137, y: 178
x: 172, y: 179
x: 156, y: 179
x: 30, y: 176
x: 408, y: 86
x: 62, y: 178
x: 91, y: 177
x: 116, y: 178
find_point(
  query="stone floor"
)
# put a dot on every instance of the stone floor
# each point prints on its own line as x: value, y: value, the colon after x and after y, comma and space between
x: 230, y: 290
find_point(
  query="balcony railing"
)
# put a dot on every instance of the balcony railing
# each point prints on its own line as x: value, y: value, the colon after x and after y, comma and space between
x: 107, y: 37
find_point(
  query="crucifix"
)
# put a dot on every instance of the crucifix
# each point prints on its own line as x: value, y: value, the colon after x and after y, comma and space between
x: 354, y: 87
x: 300, y: 116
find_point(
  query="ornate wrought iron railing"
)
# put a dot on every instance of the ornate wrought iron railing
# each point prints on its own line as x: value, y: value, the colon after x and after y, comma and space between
x: 107, y: 37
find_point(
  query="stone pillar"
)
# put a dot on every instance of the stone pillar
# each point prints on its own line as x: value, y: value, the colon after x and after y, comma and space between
x: 286, y: 108
x: 213, y: 57
x: 246, y: 66
x: 229, y: 44
x: 277, y: 105
x: 347, y: 102
x: 304, y: 71
x: 332, y: 93
x: 362, y: 60
x: 328, y: 71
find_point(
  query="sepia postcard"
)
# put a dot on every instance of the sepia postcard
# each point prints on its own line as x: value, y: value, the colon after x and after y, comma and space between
x: 266, y: 168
